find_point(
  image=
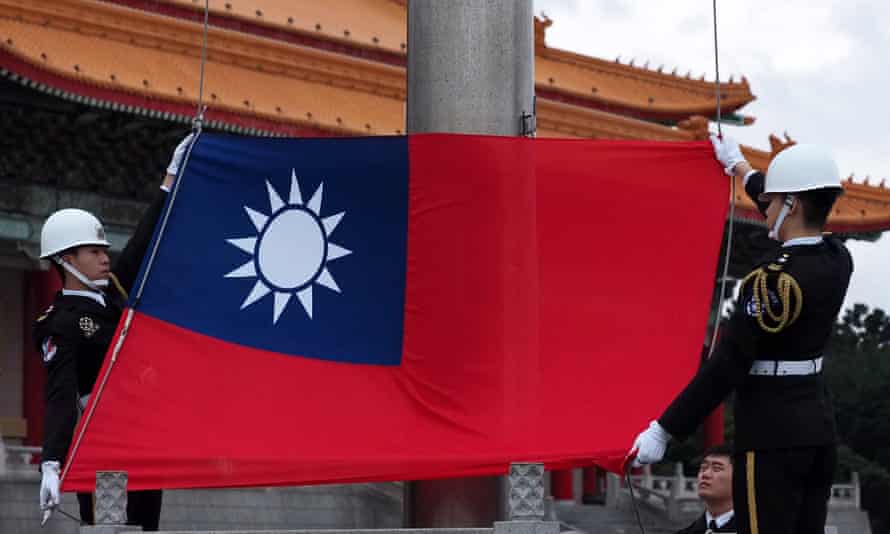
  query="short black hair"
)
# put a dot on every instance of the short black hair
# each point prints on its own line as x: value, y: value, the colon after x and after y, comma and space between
x: 817, y: 205
x: 718, y: 450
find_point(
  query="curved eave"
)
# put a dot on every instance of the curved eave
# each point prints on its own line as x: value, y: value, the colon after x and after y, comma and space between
x: 251, y: 84
x: 637, y: 110
x: 377, y: 30
x: 862, y: 207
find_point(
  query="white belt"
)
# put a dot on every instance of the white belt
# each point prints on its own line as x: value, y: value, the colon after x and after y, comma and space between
x: 786, y: 367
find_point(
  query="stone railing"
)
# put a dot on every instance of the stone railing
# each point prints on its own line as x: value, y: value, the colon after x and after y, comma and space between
x: 525, y: 508
x: 21, y: 458
x: 677, y: 495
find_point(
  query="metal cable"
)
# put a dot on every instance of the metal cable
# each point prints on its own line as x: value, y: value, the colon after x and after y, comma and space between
x: 717, y: 68
x: 727, y: 252
x: 199, y: 112
x: 730, y: 226
x: 633, y: 500
x: 197, y: 127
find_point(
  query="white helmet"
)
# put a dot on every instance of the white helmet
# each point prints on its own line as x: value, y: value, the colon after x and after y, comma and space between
x: 70, y: 228
x: 802, y: 168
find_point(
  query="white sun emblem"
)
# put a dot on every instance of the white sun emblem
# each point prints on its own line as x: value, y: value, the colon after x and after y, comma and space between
x: 290, y: 251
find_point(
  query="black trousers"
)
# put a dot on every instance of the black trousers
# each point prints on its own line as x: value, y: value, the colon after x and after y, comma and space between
x: 783, y: 491
x: 143, y: 508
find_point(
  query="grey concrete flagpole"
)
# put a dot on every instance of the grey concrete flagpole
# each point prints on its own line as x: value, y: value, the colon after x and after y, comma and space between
x: 470, y: 70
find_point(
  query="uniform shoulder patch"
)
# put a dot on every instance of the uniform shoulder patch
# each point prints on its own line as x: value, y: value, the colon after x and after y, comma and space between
x: 48, y: 348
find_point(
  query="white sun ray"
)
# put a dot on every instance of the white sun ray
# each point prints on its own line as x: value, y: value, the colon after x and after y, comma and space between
x: 258, y: 219
x: 281, y: 300
x: 246, y: 244
x: 305, y: 297
x: 315, y: 201
x: 274, y: 200
x: 260, y: 289
x: 327, y: 280
x: 331, y: 222
x: 286, y: 247
x: 296, y: 198
x: 248, y: 270
x: 336, y: 251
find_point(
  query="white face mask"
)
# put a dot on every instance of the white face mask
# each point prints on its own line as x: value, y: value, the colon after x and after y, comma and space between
x: 786, y: 207
x: 95, y: 285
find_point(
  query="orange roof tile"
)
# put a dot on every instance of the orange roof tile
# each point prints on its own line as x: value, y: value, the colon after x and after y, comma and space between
x: 381, y: 25
x: 282, y: 83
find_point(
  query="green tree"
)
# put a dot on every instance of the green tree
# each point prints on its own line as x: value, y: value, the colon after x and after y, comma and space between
x: 858, y: 375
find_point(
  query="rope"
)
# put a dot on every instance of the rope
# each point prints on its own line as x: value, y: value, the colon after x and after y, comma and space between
x: 727, y: 252
x: 197, y: 124
x: 198, y: 121
x: 731, y: 225
x: 633, y: 500
x: 717, y: 68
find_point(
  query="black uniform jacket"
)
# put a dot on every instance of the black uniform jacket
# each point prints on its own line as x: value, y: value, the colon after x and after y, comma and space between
x: 700, y: 527
x: 74, y: 334
x: 785, y: 310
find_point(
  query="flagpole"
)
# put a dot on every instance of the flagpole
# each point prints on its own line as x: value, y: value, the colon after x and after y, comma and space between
x: 471, y: 70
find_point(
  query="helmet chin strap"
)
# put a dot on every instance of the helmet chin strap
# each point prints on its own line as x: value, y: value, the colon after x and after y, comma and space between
x: 95, y: 285
x: 786, y: 207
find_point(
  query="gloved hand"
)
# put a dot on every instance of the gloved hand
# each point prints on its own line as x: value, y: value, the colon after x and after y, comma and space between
x: 179, y: 155
x: 49, y: 486
x: 728, y: 153
x: 650, y: 445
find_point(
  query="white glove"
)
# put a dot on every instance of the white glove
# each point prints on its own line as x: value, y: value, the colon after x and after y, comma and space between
x: 179, y: 155
x: 728, y: 153
x: 650, y: 445
x: 49, y: 486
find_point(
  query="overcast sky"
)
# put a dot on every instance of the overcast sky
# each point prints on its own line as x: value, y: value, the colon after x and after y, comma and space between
x: 820, y: 70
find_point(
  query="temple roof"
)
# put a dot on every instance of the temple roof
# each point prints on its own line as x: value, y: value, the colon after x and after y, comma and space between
x: 301, y: 68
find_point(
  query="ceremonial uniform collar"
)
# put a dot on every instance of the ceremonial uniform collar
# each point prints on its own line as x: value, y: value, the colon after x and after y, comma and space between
x: 95, y: 295
x: 812, y: 240
x: 721, y: 519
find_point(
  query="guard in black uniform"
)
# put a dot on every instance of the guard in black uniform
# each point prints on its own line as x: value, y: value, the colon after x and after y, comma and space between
x: 74, y: 334
x: 771, y: 353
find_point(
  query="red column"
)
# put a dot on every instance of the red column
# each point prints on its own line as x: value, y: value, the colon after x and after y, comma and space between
x: 714, y: 427
x: 40, y: 288
x: 593, y: 478
x: 561, y: 486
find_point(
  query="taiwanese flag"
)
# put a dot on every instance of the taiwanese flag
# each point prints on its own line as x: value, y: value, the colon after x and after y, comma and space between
x: 397, y: 308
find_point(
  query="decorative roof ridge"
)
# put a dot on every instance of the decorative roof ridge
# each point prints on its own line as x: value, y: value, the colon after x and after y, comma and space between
x: 729, y: 89
x: 661, y: 111
x: 760, y: 159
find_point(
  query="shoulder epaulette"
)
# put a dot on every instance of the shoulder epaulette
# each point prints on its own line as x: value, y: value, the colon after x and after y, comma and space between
x: 46, y: 313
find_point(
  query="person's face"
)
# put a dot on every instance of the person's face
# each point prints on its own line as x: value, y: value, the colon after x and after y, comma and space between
x: 715, y: 478
x: 92, y: 261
